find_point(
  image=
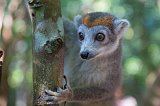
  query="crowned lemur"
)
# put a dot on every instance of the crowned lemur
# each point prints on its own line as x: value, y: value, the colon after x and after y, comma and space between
x: 92, y: 60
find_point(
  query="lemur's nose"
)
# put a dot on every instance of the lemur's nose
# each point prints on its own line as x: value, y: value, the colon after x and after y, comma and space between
x: 84, y: 55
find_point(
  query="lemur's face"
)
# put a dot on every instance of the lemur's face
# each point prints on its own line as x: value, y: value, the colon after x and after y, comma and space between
x: 95, y: 40
x: 99, y: 34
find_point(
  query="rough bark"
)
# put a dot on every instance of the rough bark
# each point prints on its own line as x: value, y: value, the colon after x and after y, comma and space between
x: 48, y: 47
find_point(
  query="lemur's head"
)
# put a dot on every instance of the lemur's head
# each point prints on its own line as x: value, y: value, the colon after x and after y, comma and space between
x: 99, y: 33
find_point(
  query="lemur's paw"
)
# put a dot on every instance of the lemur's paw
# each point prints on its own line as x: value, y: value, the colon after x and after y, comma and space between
x: 60, y: 96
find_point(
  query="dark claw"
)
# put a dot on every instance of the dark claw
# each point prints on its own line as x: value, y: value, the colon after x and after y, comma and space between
x: 1, y: 53
x: 65, y: 85
x: 47, y: 93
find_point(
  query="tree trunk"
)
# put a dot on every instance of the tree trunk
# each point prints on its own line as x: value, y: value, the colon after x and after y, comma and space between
x: 48, y: 47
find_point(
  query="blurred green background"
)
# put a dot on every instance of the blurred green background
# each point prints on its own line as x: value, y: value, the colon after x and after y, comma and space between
x: 141, y: 47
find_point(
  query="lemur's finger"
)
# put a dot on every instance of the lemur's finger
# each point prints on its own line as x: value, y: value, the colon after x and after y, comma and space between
x: 50, y: 98
x: 49, y: 92
x: 59, y: 89
x: 53, y: 102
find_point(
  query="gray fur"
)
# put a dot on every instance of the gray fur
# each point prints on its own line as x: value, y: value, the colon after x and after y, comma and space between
x: 93, y: 81
x: 77, y: 20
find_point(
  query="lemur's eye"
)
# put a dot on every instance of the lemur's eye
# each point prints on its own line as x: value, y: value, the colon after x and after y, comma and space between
x: 81, y: 36
x: 100, y: 37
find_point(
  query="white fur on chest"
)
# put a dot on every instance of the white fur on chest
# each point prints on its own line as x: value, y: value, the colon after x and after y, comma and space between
x: 88, y: 73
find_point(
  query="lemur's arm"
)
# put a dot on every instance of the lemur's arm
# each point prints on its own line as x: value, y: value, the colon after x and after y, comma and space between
x: 85, y: 94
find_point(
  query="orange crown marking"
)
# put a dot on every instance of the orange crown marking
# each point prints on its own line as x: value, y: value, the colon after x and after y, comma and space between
x: 106, y: 20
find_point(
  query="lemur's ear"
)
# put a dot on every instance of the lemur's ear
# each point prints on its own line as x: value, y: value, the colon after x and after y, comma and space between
x: 120, y: 25
x: 77, y: 20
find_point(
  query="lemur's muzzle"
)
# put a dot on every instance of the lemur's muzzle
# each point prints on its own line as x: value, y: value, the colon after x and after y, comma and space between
x: 84, y: 55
